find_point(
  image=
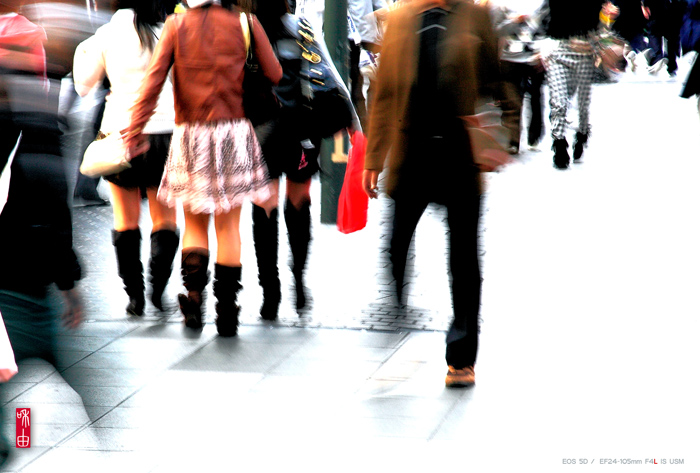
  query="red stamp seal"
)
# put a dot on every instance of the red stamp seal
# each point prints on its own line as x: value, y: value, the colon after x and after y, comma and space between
x: 23, y: 427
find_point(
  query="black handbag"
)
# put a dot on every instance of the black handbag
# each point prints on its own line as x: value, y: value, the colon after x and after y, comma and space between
x: 325, y: 107
x: 260, y: 103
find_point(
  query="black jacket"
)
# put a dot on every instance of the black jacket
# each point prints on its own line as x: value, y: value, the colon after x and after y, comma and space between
x: 569, y: 18
x: 35, y: 226
x: 288, y: 53
x: 631, y: 22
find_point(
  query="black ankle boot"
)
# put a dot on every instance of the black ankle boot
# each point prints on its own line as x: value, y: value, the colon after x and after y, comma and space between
x: 164, y: 245
x: 265, y: 237
x: 227, y: 283
x: 579, y: 144
x: 299, y: 231
x: 561, y: 153
x: 195, y: 276
x: 127, y: 245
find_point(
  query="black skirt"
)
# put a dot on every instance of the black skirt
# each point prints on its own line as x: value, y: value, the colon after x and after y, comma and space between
x: 146, y: 170
x: 284, y: 153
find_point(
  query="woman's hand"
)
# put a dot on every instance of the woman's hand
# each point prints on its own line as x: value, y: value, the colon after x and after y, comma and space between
x: 73, y: 308
x: 136, y: 143
x: 6, y: 374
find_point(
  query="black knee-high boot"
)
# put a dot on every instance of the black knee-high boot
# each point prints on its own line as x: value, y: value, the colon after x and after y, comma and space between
x: 127, y: 245
x: 265, y: 237
x: 195, y: 276
x: 164, y: 244
x: 227, y: 283
x: 299, y: 232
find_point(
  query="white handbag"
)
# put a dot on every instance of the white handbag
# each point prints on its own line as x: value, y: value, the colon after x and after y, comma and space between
x: 105, y: 156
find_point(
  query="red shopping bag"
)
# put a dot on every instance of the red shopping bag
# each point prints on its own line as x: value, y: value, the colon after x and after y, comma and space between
x: 353, y: 202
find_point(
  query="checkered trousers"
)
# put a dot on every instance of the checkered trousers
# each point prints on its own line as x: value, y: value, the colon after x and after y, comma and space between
x: 569, y: 72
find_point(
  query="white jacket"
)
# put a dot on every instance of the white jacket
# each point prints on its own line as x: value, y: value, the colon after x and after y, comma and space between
x: 115, y: 51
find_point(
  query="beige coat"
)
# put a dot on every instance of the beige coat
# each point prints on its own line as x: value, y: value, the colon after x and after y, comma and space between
x: 469, y: 62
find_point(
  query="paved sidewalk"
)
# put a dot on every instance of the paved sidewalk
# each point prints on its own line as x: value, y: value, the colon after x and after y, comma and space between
x: 588, y: 347
x: 161, y: 398
x: 353, y: 364
x: 347, y: 275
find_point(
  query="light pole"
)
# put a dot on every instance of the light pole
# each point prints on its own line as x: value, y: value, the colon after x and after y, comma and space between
x: 334, y: 150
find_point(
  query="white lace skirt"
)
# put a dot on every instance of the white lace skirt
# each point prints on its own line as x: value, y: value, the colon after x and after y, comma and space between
x: 214, y: 167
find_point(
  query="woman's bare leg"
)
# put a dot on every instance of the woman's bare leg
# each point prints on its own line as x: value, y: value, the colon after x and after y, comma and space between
x: 228, y: 238
x: 162, y: 216
x: 126, y: 206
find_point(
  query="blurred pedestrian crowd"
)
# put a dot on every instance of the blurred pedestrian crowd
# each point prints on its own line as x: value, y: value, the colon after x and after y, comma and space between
x: 177, y: 89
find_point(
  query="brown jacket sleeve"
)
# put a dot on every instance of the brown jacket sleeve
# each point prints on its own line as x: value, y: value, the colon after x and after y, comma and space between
x: 264, y: 53
x: 383, y: 119
x: 157, y: 72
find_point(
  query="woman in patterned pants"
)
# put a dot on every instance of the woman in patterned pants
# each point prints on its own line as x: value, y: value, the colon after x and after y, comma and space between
x: 570, y: 69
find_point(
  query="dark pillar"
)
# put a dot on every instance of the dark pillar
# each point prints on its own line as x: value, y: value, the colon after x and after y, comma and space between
x: 334, y: 151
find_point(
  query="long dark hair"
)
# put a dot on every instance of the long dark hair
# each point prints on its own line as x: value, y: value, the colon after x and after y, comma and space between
x: 147, y: 14
x: 268, y: 12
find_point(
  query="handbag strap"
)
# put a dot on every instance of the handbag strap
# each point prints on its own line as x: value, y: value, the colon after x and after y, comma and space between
x: 245, y: 26
x: 249, y: 39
